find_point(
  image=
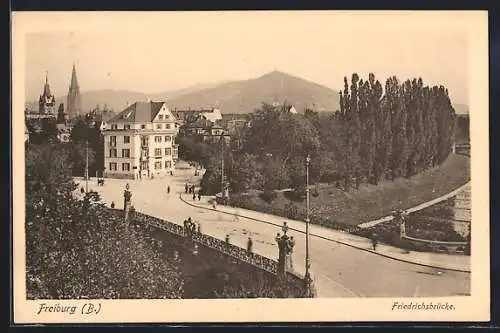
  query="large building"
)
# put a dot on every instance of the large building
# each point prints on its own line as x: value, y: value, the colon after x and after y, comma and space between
x: 74, y: 102
x: 139, y: 142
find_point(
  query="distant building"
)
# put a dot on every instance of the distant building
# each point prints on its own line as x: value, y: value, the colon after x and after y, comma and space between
x: 74, y: 100
x: 215, y: 133
x: 139, y: 142
x: 63, y: 125
x: 26, y: 134
x: 47, y: 101
x: 188, y: 115
x: 99, y: 118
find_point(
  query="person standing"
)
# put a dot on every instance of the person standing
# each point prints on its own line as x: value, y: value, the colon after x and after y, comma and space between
x: 186, y: 188
x: 194, y: 195
x: 249, y: 245
x: 168, y: 189
x: 112, y: 204
x: 199, y: 195
x: 374, y: 241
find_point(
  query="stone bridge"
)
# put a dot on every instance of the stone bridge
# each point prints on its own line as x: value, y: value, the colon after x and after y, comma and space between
x: 208, y: 253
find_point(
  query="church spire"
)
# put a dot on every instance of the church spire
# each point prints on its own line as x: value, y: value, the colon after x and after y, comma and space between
x: 74, y: 103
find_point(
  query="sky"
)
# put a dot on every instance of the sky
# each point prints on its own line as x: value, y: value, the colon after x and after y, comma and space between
x: 155, y: 53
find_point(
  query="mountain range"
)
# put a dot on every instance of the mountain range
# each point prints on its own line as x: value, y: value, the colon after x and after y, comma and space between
x: 242, y: 96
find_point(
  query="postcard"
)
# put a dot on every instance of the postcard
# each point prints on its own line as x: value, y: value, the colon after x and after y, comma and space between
x: 278, y: 166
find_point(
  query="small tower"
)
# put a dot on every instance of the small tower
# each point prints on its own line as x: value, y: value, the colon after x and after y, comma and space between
x: 47, y: 101
x: 74, y: 102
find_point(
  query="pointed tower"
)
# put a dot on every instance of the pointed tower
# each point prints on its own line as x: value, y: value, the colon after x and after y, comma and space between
x: 74, y: 102
x: 47, y: 101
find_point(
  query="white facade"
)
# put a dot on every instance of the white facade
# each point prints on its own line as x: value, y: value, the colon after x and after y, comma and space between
x: 213, y: 116
x: 140, y: 149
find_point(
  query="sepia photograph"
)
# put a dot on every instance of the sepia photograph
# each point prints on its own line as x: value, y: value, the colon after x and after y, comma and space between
x: 250, y: 166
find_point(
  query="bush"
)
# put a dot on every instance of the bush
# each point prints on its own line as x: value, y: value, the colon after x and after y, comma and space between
x: 299, y: 194
x: 268, y: 195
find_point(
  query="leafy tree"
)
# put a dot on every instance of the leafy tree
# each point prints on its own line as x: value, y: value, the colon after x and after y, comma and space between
x: 76, y: 248
x: 244, y: 173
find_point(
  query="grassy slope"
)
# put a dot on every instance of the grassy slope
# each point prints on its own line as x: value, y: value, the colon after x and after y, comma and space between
x: 370, y: 202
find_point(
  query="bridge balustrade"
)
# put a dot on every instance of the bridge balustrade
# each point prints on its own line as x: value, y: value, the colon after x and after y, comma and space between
x: 231, y: 250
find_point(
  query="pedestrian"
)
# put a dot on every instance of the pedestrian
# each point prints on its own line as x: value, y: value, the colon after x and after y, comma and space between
x: 82, y: 190
x: 194, y: 195
x: 249, y: 245
x: 171, y: 173
x: 199, y: 228
x: 199, y: 195
x: 186, y: 188
x: 374, y: 241
x: 227, y: 239
x: 168, y: 189
x: 112, y: 204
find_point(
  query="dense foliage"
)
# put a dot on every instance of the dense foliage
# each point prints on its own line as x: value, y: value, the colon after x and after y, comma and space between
x: 76, y: 248
x: 44, y: 131
x: 379, y: 133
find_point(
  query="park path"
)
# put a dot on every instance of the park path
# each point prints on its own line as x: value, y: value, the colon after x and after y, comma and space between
x: 419, y: 207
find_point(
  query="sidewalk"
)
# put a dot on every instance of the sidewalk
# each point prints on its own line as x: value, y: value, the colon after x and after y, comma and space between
x: 458, y: 263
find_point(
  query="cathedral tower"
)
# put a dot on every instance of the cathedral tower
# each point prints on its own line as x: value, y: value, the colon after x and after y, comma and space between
x: 47, y: 101
x: 74, y: 103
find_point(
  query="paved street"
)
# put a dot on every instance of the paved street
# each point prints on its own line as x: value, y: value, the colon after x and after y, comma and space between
x: 338, y: 270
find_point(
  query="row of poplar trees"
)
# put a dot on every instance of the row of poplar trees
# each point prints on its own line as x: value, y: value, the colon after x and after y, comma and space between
x: 397, y: 131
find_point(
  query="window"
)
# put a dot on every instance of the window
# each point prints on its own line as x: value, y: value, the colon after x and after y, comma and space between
x: 143, y: 126
x: 168, y: 138
x: 125, y: 153
x: 158, y: 126
x: 157, y: 165
x: 168, y: 151
x: 126, y: 127
x: 126, y: 166
x: 112, y: 166
x: 160, y: 117
x: 168, y: 126
x: 168, y: 164
x: 157, y: 138
x: 126, y: 139
x: 114, y: 126
x: 157, y: 152
x: 112, y: 153
x: 112, y: 141
x: 144, y: 165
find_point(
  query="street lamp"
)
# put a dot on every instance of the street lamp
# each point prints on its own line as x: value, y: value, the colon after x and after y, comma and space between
x: 307, y: 276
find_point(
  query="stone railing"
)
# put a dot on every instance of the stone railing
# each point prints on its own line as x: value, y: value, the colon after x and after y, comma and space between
x: 211, y: 242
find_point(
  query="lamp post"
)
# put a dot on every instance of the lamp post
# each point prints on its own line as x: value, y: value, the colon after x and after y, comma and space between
x: 86, y: 166
x: 307, y: 276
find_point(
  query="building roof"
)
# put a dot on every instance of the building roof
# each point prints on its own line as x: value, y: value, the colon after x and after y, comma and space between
x: 139, y: 112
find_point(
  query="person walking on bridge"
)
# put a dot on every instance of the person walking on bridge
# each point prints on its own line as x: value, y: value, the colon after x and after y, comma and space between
x: 249, y: 245
x: 186, y: 188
